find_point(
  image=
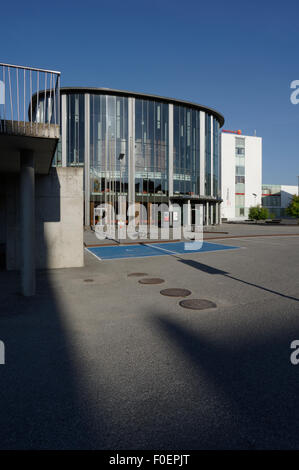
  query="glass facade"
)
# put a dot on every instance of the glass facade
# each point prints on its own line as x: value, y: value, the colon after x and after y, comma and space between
x: 151, y: 148
x: 208, y: 154
x: 186, y: 151
x: 124, y: 142
x: 271, y: 199
x: 216, y: 160
x: 75, y: 130
x: 108, y: 127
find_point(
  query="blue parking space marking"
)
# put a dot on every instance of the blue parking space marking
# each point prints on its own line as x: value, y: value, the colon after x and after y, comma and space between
x: 154, y: 249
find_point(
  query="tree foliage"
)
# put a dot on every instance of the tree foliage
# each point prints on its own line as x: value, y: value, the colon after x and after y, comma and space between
x: 258, y: 213
x: 293, y: 209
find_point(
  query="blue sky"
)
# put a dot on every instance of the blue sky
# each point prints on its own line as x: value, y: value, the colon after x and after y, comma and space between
x: 238, y: 57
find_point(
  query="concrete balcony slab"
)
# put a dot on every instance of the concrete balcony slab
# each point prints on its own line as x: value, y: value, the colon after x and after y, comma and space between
x: 16, y: 136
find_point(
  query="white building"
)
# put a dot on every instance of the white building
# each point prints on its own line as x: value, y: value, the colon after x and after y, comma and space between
x: 276, y: 198
x: 241, y: 174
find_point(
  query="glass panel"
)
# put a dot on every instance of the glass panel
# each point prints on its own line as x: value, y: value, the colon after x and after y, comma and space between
x: 186, y: 149
x: 108, y: 146
x: 208, y: 155
x: 151, y: 147
x: 75, y: 130
x: 240, y: 170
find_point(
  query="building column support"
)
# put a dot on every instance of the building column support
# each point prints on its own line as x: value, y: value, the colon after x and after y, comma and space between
x: 27, y: 212
x: 189, y: 218
x: 217, y: 213
x: 207, y: 213
x: 212, y: 214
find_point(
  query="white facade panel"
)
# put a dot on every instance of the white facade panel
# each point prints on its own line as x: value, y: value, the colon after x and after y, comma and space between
x: 253, y: 174
x: 227, y: 151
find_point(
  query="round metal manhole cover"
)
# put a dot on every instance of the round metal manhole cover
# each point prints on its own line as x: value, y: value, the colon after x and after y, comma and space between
x: 175, y: 292
x: 88, y: 280
x: 197, y: 304
x: 137, y: 274
x: 151, y: 280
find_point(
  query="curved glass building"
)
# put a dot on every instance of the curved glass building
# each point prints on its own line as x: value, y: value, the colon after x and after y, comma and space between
x: 148, y: 148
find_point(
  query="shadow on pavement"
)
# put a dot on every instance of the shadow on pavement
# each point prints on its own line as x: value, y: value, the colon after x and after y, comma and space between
x: 210, y: 270
x: 44, y: 402
x: 248, y: 388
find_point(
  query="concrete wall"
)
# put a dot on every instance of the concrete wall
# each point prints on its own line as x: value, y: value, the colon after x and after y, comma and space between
x: 59, y: 219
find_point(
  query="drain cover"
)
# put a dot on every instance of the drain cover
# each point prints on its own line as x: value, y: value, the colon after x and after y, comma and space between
x: 197, y: 304
x: 151, y: 280
x: 88, y: 280
x: 176, y: 292
x: 137, y: 274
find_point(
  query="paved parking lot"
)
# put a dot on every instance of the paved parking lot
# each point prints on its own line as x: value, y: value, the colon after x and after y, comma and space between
x: 98, y: 361
x: 145, y: 250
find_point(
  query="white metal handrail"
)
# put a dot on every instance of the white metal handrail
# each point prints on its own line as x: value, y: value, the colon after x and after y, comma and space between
x: 30, y: 68
x: 29, y: 101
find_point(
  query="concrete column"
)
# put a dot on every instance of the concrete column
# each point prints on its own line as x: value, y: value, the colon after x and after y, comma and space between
x: 189, y: 219
x: 207, y: 213
x: 212, y: 214
x: 27, y: 211
x: 186, y: 213
x: 217, y: 213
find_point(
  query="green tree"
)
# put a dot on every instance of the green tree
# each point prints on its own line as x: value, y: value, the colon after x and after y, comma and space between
x: 258, y: 213
x: 293, y: 209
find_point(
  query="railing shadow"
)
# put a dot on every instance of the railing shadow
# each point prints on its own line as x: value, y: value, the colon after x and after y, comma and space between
x: 45, y: 402
x: 211, y: 270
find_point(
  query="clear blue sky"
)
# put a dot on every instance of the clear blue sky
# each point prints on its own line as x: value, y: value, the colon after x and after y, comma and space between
x: 238, y: 57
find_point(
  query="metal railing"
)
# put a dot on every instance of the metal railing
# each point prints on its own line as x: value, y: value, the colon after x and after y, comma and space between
x: 29, y: 101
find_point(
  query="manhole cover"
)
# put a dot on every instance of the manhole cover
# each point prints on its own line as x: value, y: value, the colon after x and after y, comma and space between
x: 137, y: 274
x: 151, y: 280
x: 197, y: 304
x: 175, y: 292
x: 88, y: 280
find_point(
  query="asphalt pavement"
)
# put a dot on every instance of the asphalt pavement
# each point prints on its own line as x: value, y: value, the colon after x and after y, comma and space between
x: 98, y: 361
